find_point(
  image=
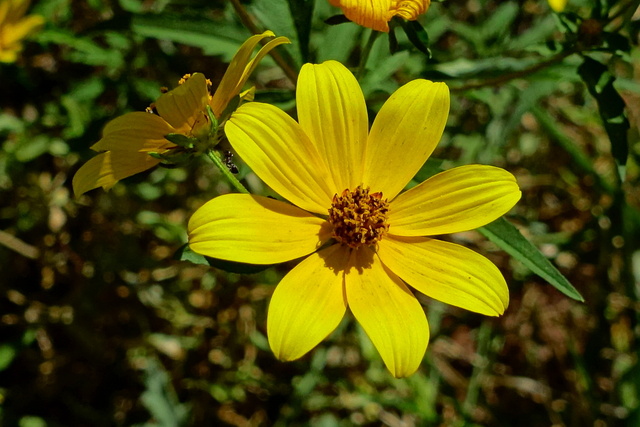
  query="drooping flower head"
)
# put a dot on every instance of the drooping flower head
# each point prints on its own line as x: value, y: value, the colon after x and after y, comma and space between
x: 376, y: 14
x: 128, y: 140
x: 15, y: 27
x: 363, y: 238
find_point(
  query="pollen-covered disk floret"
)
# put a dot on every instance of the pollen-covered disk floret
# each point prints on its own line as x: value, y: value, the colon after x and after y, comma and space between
x: 359, y: 218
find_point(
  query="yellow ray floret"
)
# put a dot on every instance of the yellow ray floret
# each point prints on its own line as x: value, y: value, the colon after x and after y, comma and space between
x: 15, y: 27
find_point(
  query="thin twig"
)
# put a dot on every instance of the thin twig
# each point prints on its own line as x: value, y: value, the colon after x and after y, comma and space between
x: 12, y: 242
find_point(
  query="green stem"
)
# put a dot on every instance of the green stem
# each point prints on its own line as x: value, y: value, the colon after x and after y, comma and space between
x: 226, y: 172
x: 365, y: 53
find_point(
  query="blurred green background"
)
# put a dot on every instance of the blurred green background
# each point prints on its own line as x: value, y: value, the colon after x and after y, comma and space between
x: 100, y: 325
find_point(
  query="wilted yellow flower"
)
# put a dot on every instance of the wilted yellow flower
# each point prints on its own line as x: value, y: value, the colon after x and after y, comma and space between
x: 127, y: 140
x: 558, y: 5
x: 14, y: 27
x: 363, y: 238
x: 377, y: 13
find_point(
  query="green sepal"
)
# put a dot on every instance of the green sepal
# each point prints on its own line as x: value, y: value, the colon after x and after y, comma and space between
x: 185, y: 253
x: 417, y: 35
x: 174, y: 157
x: 213, y: 129
x: 233, y: 104
x: 181, y: 140
x: 336, y: 20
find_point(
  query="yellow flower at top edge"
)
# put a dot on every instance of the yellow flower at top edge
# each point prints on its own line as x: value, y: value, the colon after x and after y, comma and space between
x: 376, y: 14
x: 558, y: 5
x: 15, y: 27
x: 364, y: 239
x: 127, y: 140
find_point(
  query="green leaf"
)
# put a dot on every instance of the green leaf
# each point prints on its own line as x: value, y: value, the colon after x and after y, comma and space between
x: 417, y: 35
x: 611, y: 106
x: 506, y: 236
x: 302, y: 12
x: 160, y: 397
x: 7, y: 354
x: 214, y: 37
x: 276, y: 16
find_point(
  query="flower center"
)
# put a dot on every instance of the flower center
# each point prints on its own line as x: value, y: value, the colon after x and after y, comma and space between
x: 358, y: 218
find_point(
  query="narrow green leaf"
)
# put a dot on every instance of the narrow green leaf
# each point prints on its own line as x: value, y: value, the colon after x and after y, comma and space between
x: 506, y: 236
x: 611, y: 106
x: 417, y: 35
x: 302, y: 12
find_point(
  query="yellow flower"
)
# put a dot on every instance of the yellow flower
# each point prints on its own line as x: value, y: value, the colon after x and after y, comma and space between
x: 14, y: 27
x: 558, y: 5
x: 363, y: 237
x: 377, y: 13
x: 127, y: 140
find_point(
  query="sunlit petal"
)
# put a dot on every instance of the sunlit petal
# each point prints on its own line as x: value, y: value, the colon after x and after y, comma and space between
x: 404, y: 134
x: 254, y: 229
x: 459, y: 199
x: 21, y: 29
x: 180, y: 106
x: 558, y: 5
x: 278, y: 151
x: 332, y: 111
x: 135, y: 132
x: 376, y: 14
x: 388, y: 311
x: 241, y: 68
x: 308, y: 304
x: 447, y: 272
x: 105, y: 169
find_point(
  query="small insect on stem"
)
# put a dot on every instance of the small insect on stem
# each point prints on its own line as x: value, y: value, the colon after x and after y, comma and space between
x: 228, y: 161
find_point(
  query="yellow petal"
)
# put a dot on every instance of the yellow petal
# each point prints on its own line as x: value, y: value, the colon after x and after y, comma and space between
x: 332, y: 111
x: 22, y: 29
x: 404, y: 134
x: 387, y: 310
x: 135, y: 132
x: 558, y: 5
x: 241, y: 68
x: 105, y: 169
x: 278, y: 151
x: 17, y: 9
x: 8, y: 56
x: 459, y: 199
x: 447, y: 272
x: 181, y: 106
x: 4, y: 11
x: 308, y: 304
x: 376, y: 14
x: 255, y: 229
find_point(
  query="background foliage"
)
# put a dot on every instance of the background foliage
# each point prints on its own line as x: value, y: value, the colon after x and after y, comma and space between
x: 101, y: 325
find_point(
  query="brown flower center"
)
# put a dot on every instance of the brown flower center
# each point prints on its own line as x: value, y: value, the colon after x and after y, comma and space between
x: 358, y: 218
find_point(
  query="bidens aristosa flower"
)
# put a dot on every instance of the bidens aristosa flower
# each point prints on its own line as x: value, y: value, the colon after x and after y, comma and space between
x: 182, y: 115
x: 365, y: 240
x: 15, y: 27
x: 376, y: 14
